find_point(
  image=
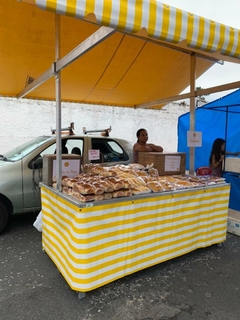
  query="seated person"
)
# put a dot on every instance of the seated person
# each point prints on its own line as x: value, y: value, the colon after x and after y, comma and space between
x: 217, y: 156
x: 142, y: 146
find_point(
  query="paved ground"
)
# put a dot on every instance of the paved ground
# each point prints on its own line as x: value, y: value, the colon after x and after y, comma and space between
x: 204, y: 284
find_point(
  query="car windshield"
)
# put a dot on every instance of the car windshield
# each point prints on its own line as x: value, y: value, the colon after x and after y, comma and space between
x: 21, y: 151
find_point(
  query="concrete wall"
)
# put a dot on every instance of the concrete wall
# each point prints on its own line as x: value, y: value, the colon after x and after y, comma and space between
x: 24, y: 119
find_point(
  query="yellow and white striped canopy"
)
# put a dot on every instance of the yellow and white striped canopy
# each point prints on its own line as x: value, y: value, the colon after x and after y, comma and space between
x: 161, y: 21
x: 146, y: 59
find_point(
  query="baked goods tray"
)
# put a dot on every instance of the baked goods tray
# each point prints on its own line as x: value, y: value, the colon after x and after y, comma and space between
x: 137, y: 193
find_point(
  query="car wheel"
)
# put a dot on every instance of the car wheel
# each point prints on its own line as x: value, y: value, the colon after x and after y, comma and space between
x: 3, y: 216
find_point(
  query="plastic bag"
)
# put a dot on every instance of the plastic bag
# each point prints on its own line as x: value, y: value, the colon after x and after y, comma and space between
x: 38, y: 222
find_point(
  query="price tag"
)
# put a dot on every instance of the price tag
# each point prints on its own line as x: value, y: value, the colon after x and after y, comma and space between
x: 93, y: 154
x: 172, y: 163
x: 194, y: 139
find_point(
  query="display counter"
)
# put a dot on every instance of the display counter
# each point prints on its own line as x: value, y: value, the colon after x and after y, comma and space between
x: 95, y: 243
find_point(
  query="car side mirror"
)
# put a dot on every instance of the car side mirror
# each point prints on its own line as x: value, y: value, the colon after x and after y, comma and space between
x: 38, y: 163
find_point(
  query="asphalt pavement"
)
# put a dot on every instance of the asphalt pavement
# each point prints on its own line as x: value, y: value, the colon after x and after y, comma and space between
x: 204, y: 284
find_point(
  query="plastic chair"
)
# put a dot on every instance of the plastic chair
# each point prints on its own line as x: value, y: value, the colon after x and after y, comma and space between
x: 204, y: 171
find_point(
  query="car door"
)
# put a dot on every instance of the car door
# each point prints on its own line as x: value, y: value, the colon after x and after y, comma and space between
x: 32, y: 170
x: 11, y: 183
x: 32, y: 175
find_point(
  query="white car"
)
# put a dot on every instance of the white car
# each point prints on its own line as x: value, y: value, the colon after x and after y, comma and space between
x: 21, y: 168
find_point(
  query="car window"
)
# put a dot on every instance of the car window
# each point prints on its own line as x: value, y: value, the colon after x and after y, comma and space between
x: 75, y: 146
x: 24, y: 149
x: 115, y: 147
x: 70, y: 145
x: 109, y: 149
x: 49, y: 150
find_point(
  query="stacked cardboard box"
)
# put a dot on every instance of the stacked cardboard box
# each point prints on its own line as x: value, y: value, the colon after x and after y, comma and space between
x: 166, y: 163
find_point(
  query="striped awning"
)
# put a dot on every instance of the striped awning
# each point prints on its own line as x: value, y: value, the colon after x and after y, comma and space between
x: 144, y: 60
x: 161, y: 21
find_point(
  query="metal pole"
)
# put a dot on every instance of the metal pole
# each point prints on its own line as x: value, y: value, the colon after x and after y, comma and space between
x: 192, y: 110
x: 226, y: 134
x: 58, y: 104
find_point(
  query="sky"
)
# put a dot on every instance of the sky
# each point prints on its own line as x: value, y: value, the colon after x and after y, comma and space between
x: 223, y: 11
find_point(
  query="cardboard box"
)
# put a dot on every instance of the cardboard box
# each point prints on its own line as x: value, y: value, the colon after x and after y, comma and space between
x: 232, y: 164
x: 233, y: 222
x: 48, y: 164
x: 166, y: 163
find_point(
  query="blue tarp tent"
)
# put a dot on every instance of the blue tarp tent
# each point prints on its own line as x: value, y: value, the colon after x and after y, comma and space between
x: 217, y: 119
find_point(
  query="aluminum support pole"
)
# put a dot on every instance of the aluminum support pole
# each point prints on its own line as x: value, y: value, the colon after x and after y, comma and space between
x: 192, y: 110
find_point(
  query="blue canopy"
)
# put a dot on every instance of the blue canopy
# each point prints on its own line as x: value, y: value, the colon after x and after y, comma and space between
x: 217, y: 119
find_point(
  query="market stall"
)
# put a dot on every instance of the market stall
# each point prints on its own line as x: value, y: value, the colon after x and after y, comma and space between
x: 123, y: 53
x: 96, y: 243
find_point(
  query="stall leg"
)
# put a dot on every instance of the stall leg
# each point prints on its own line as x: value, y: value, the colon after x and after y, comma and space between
x: 81, y: 295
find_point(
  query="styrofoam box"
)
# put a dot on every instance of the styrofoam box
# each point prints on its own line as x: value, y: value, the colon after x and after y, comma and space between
x: 233, y: 223
x: 232, y: 164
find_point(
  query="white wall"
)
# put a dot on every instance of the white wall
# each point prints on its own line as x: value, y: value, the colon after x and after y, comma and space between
x: 24, y: 119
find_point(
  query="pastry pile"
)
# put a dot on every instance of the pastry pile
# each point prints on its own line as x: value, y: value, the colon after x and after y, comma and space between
x: 99, y: 183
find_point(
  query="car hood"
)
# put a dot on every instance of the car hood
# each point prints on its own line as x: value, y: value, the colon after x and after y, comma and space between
x: 4, y: 164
